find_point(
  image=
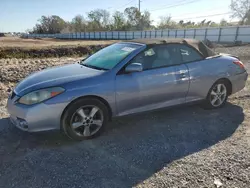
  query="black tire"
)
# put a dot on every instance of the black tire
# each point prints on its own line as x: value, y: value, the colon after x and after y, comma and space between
x: 71, y: 110
x: 207, y: 104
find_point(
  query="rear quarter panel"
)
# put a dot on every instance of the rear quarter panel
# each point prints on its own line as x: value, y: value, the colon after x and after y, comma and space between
x: 203, y: 74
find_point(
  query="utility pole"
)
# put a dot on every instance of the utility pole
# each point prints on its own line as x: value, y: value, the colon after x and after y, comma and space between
x: 140, y: 14
x: 139, y: 5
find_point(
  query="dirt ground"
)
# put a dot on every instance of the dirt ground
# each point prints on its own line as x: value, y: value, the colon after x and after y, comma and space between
x: 179, y: 147
x: 15, y: 47
x: 17, y: 42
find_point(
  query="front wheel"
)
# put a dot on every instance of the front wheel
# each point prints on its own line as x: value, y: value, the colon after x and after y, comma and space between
x: 217, y: 95
x: 85, y: 119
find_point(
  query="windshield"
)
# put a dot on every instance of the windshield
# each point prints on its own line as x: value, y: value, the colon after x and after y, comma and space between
x: 109, y: 57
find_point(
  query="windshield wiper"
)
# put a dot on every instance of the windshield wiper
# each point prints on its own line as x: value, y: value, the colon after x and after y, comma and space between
x: 94, y: 67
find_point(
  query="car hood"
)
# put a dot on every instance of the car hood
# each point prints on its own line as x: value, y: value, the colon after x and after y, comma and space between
x: 55, y: 76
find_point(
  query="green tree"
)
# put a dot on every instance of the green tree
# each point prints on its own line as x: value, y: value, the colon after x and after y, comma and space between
x: 181, y: 22
x: 99, y: 19
x: 119, y: 22
x: 137, y: 20
x: 166, y: 23
x: 145, y: 21
x: 133, y: 16
x: 106, y: 21
x: 223, y: 22
x: 50, y: 24
x: 94, y: 23
x: 78, y: 24
x: 208, y: 23
x: 202, y: 22
x: 131, y: 19
x: 241, y: 10
x: 213, y: 24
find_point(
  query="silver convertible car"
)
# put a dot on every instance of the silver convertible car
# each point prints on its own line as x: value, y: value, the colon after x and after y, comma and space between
x: 121, y: 79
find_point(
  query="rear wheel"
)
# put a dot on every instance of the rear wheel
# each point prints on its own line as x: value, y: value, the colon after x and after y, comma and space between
x: 85, y: 119
x: 217, y: 95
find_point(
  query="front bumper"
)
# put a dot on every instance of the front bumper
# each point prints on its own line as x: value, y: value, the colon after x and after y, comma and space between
x: 34, y: 118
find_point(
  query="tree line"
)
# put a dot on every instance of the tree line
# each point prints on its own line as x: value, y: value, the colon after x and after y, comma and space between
x: 131, y: 19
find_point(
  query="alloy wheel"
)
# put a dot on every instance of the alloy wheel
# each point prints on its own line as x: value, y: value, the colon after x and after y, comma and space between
x: 87, y: 120
x: 218, y: 95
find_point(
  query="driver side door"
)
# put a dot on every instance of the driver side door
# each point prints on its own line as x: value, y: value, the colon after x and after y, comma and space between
x: 154, y: 87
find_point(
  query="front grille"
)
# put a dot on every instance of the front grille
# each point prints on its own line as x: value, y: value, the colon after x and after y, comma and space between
x: 13, y: 94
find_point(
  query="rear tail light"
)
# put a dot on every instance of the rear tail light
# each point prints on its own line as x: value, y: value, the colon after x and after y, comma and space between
x: 239, y: 63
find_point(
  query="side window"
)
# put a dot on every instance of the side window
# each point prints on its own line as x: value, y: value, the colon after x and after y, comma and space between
x: 159, y: 56
x: 166, y: 55
x: 189, y: 54
x: 145, y: 58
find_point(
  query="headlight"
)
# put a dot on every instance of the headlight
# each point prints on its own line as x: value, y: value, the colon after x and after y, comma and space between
x: 40, y: 95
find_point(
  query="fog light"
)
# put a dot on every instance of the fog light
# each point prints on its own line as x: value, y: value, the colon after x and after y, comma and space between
x: 23, y: 123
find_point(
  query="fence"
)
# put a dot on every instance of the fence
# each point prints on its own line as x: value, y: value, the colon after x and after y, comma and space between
x: 220, y: 35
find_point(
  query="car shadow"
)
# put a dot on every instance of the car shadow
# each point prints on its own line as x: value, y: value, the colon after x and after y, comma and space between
x: 130, y: 151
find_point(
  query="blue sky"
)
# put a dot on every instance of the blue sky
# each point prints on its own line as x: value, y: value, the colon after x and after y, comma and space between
x: 19, y: 15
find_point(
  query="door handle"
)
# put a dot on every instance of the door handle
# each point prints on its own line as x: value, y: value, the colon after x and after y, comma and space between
x: 182, y: 75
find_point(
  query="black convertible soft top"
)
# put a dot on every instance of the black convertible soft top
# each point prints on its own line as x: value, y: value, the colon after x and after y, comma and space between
x: 198, y: 45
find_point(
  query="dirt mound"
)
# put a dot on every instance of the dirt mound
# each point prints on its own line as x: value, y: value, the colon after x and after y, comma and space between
x: 49, y: 52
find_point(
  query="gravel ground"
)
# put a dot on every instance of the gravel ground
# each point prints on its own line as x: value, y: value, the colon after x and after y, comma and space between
x: 240, y: 51
x: 181, y: 147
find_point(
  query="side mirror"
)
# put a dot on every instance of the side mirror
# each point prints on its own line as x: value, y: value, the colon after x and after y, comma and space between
x: 134, y: 67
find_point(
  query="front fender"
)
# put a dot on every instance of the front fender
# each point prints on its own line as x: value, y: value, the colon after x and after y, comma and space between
x: 104, y: 91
